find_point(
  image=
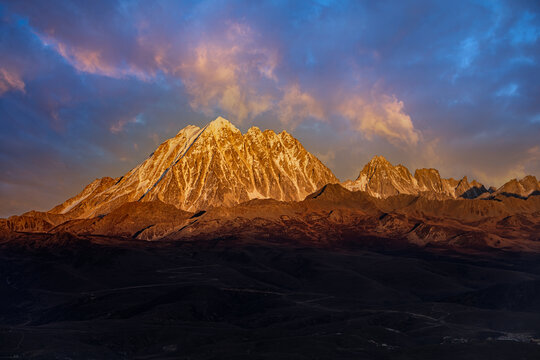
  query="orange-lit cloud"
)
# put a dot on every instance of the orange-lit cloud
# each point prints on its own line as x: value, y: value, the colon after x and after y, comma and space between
x: 86, y: 60
x: 382, y: 116
x: 227, y: 75
x: 10, y: 81
x: 216, y: 77
x: 296, y: 105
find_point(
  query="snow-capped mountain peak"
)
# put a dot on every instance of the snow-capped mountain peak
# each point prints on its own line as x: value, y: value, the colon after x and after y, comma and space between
x: 221, y: 124
x: 215, y: 165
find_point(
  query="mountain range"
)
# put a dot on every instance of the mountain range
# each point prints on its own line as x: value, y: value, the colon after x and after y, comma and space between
x: 217, y: 182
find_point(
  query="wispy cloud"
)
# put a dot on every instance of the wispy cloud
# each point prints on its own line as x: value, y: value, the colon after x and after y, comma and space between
x: 10, y: 81
x: 92, y: 61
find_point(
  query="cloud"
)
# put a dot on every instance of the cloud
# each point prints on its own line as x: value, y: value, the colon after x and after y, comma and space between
x: 468, y: 52
x: 384, y: 116
x: 227, y: 74
x: 221, y: 73
x: 525, y: 31
x: 118, y: 126
x: 509, y: 90
x: 297, y: 105
x: 92, y: 61
x: 225, y: 78
x: 10, y: 81
x: 231, y: 70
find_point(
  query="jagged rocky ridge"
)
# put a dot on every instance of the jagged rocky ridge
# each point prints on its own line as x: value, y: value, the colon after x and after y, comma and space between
x: 381, y: 179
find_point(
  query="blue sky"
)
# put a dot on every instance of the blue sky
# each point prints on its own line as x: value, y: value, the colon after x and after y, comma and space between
x: 89, y: 89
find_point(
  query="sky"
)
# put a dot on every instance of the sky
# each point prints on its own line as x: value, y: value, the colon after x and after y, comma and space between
x: 90, y: 88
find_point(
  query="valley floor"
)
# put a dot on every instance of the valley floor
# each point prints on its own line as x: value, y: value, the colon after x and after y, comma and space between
x: 105, y: 298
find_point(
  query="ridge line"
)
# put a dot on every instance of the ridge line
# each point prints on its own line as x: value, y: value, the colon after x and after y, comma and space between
x: 174, y: 162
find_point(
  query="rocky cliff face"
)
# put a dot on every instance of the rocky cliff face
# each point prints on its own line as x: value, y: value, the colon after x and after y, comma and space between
x: 213, y: 166
x: 429, y: 180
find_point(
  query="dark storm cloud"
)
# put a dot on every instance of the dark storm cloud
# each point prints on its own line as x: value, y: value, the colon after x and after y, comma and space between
x: 88, y: 89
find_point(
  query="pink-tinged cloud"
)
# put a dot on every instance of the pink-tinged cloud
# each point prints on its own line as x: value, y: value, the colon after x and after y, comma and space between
x: 10, y: 81
x: 119, y: 125
x: 93, y: 61
x: 228, y: 74
x: 217, y: 77
x: 297, y: 105
x: 383, y: 116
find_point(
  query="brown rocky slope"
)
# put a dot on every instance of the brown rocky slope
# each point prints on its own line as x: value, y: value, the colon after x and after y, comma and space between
x: 332, y: 216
